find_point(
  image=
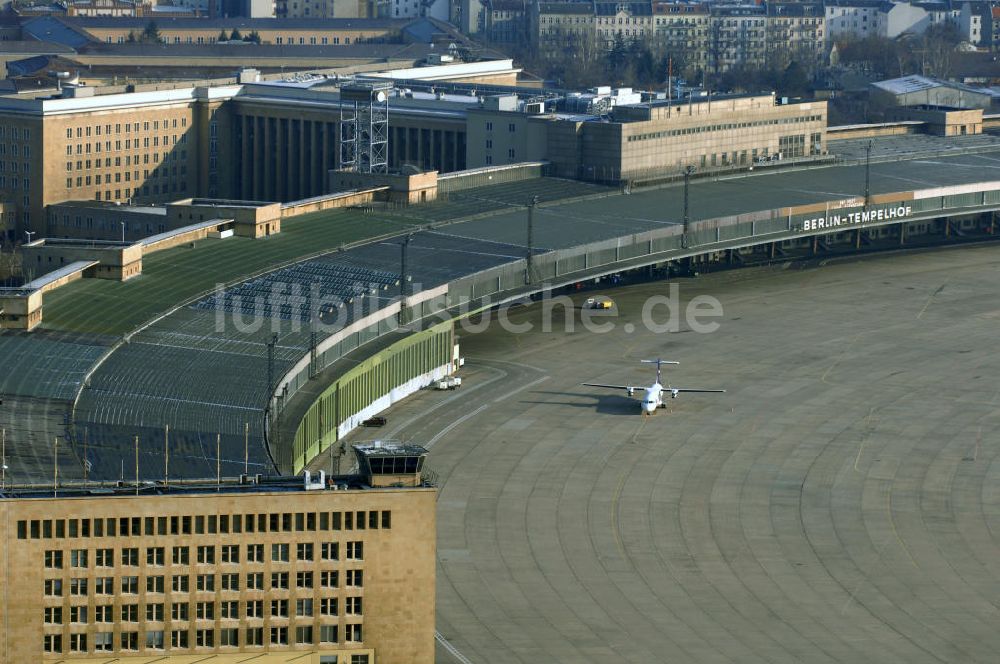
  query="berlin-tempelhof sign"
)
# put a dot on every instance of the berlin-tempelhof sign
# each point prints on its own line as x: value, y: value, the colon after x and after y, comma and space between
x: 853, y: 218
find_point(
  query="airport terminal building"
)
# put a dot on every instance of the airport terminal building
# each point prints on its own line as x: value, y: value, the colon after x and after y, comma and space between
x: 278, y: 140
x: 273, y: 569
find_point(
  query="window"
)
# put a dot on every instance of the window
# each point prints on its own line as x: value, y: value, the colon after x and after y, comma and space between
x: 52, y: 642
x: 53, y: 615
x: 328, y: 606
x: 103, y: 613
x: 155, y: 556
x: 181, y: 555
x: 304, y: 634
x: 512, y: 127
x: 206, y: 555
x: 231, y: 553
x: 179, y: 638
x: 510, y: 153
x: 154, y: 640
x: 303, y: 579
x: 330, y: 551
x: 489, y: 126
x: 78, y: 586
x: 359, y: 658
x: 327, y: 633
x: 489, y: 143
x: 279, y: 552
x: 154, y: 613
x: 352, y: 633
x: 304, y: 551
x: 53, y: 587
x: 53, y: 559
x: 130, y: 613
x: 103, y: 641
x: 130, y: 557
x: 180, y: 583
x: 78, y: 643
x: 303, y: 607
x: 255, y: 581
x: 130, y: 640
x: 254, y: 636
x: 352, y: 606
x: 230, y: 610
x: 354, y: 578
x: 255, y: 608
x: 154, y: 584
x: 279, y: 636
x: 179, y: 611
x: 279, y: 608
x: 205, y: 583
x: 355, y: 551
x: 255, y: 552
x: 130, y: 585
x: 329, y: 578
x: 204, y: 611
x: 204, y: 638
x: 279, y: 580
x: 78, y: 614
x: 78, y: 558
x: 229, y: 637
x: 230, y: 581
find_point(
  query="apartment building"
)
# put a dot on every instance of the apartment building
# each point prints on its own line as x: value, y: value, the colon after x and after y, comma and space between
x: 628, y: 21
x: 277, y: 569
x: 711, y: 37
x: 559, y: 26
x: 683, y: 28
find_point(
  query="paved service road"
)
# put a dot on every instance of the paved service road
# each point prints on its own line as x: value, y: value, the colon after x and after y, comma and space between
x: 840, y: 503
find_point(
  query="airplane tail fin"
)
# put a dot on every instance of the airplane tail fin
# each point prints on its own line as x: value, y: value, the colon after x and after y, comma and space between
x: 659, y: 363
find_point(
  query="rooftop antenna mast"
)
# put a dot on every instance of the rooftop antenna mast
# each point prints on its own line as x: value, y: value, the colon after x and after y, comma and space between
x: 137, y: 465
x: 166, y: 455
x: 55, y: 467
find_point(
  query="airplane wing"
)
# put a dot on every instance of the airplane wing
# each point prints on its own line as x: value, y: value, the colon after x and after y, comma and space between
x: 687, y: 389
x: 627, y: 388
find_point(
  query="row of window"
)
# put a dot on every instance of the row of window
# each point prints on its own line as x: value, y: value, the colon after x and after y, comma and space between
x: 723, y: 127
x: 15, y: 133
x: 181, y: 583
x: 129, y: 160
x: 225, y: 610
x: 15, y: 184
x: 209, y: 524
x: 88, y: 180
x: 204, y: 554
x: 226, y: 637
x: 129, y: 144
x: 96, y: 130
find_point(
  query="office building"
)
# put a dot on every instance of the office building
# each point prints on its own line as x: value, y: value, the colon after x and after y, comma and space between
x: 282, y: 569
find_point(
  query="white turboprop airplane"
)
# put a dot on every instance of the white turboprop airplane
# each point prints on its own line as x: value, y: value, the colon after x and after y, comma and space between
x: 654, y: 394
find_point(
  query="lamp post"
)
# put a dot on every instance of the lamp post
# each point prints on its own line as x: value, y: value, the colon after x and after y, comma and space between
x: 868, y: 167
x: 29, y: 234
x: 123, y: 231
x: 530, y: 258
x: 688, y: 170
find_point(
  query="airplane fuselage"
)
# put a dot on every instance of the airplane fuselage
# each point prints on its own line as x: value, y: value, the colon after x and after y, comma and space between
x: 652, y: 399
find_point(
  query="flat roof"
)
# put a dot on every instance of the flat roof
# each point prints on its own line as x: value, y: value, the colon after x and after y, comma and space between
x: 59, y: 273
x: 247, y: 484
x: 385, y: 448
